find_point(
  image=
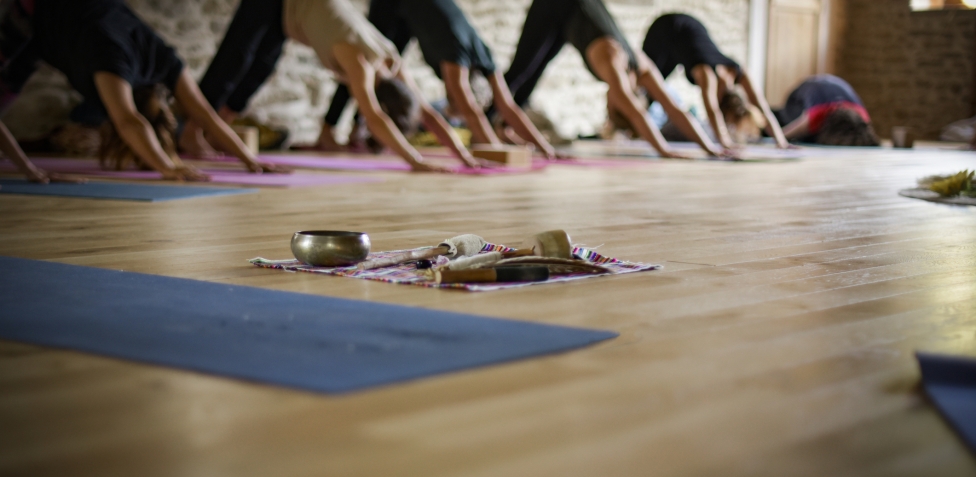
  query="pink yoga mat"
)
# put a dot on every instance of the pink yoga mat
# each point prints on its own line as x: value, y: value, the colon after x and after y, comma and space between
x: 396, y: 165
x: 217, y: 176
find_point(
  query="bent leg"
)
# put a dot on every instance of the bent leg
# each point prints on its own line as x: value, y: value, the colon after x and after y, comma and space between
x: 240, y: 49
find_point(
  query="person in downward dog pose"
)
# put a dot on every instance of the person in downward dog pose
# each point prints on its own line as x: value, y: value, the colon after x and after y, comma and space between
x: 346, y: 44
x: 825, y: 109
x: 17, y: 63
x: 118, y: 64
x: 588, y: 26
x: 456, y: 53
x: 730, y: 97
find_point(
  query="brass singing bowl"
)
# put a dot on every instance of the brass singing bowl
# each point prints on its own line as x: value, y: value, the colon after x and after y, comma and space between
x: 330, y: 248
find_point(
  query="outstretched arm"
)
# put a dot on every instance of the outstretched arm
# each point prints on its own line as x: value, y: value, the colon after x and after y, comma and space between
x: 437, y: 125
x: 610, y: 64
x: 516, y: 118
x: 772, y: 125
x: 800, y: 127
x: 10, y: 148
x: 457, y: 82
x: 197, y: 108
x: 361, y: 78
x: 708, y: 82
x: 116, y: 95
x: 652, y: 81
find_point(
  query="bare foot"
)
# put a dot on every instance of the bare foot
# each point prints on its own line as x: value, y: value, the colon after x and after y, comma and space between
x: 193, y: 144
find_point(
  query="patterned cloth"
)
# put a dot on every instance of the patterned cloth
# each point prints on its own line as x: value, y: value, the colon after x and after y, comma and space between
x: 407, y: 274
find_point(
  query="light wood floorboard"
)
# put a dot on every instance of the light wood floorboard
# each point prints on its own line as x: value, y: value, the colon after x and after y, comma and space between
x: 777, y: 340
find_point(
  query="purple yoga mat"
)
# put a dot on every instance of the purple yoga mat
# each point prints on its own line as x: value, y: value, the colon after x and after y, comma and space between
x: 595, y: 161
x: 217, y: 176
x: 355, y: 164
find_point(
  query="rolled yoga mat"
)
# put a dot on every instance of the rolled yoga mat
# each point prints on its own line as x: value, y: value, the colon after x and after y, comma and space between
x: 116, y: 190
x: 289, y: 339
x: 950, y: 381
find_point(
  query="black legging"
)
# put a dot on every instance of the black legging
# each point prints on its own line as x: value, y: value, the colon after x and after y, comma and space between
x: 18, y: 55
x: 247, y: 56
x: 543, y: 36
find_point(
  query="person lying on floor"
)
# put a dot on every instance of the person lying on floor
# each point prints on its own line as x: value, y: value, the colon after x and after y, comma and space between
x: 348, y: 45
x: 119, y: 64
x: 826, y: 110
x: 588, y: 26
x: 730, y: 97
x: 16, y: 65
x: 453, y: 49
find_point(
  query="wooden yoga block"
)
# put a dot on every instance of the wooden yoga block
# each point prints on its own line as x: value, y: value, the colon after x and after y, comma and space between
x: 511, y: 156
x: 250, y: 136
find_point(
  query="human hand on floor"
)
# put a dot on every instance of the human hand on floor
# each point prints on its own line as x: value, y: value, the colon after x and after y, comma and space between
x: 675, y: 154
x: 474, y: 162
x: 734, y: 154
x: 261, y: 167
x: 425, y: 167
x: 185, y: 173
x: 38, y: 176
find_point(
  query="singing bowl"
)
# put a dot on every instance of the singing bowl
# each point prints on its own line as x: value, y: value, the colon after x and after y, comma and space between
x: 330, y: 248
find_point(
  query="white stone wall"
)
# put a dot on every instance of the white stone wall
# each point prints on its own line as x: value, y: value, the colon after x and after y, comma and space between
x: 298, y: 94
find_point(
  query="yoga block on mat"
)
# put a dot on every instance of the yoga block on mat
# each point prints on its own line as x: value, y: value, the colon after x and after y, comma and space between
x: 250, y: 136
x: 511, y: 156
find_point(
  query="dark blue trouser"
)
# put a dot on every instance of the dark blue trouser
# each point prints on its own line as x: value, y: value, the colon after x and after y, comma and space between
x: 542, y: 39
x: 247, y: 56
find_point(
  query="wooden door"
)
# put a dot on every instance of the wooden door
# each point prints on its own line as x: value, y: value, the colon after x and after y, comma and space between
x: 794, y: 49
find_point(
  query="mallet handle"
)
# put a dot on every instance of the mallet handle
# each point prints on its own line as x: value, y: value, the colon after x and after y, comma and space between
x: 402, y: 257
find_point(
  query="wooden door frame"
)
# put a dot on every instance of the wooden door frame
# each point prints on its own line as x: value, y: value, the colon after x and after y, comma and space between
x: 759, y: 37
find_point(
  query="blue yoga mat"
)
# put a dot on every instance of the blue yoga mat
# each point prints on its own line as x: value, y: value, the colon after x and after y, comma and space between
x: 950, y: 382
x: 116, y: 190
x: 289, y: 339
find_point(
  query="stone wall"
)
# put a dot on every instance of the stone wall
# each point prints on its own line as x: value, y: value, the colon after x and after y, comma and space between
x: 911, y: 68
x: 298, y: 94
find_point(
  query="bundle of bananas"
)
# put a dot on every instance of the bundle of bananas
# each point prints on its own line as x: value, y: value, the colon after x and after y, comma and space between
x: 960, y: 184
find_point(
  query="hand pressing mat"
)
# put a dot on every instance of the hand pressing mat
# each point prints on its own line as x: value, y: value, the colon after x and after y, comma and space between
x: 950, y: 381
x: 116, y: 191
x: 289, y: 339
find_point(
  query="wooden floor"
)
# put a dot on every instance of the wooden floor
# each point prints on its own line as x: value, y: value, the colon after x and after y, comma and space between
x: 777, y: 340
